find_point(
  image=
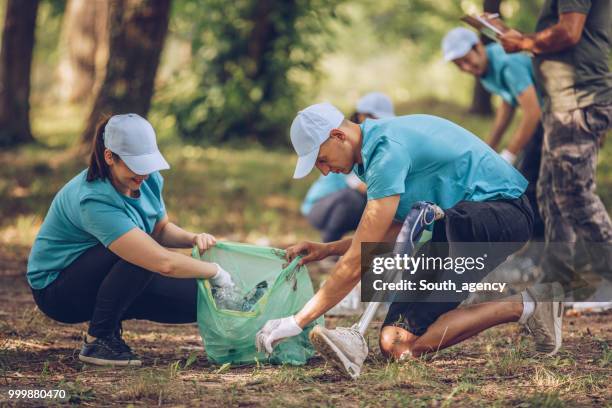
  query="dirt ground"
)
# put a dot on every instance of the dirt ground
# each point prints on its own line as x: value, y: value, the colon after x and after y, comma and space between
x: 493, y: 369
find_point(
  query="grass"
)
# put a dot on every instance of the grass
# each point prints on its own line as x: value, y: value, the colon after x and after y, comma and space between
x: 174, y: 373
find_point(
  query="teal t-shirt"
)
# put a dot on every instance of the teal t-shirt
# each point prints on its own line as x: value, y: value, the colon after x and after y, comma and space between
x: 427, y: 158
x: 324, y: 186
x: 507, y: 75
x: 84, y: 214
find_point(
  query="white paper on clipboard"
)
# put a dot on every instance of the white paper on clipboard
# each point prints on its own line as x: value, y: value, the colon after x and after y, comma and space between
x: 488, y: 25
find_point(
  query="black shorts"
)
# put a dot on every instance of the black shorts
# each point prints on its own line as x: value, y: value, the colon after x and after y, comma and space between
x: 468, y: 221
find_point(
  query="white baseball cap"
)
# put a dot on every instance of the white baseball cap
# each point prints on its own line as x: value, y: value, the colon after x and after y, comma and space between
x: 132, y: 138
x: 309, y: 130
x: 458, y: 42
x: 377, y: 104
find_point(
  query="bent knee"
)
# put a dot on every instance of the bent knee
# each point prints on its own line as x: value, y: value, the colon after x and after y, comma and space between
x: 395, y: 342
x: 387, y: 340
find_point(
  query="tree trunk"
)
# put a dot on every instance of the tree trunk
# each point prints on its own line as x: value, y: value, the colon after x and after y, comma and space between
x: 85, y: 38
x: 481, y: 99
x: 15, y: 67
x: 137, y: 32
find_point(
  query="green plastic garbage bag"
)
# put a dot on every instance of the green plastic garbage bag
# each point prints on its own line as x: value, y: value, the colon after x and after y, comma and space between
x: 229, y: 335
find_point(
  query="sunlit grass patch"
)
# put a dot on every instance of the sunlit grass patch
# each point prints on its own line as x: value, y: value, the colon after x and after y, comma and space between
x: 156, y: 384
x: 506, y: 360
x: 545, y: 399
x: 407, y: 373
x: 21, y: 231
x: 287, y: 374
x: 606, y: 355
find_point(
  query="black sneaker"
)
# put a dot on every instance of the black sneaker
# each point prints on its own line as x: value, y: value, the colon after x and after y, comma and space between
x: 108, y: 351
x: 118, y: 339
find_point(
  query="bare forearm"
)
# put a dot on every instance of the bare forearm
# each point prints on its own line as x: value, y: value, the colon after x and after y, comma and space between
x: 553, y: 39
x: 523, y: 134
x: 173, y: 236
x: 566, y: 33
x: 138, y: 248
x: 340, y: 283
x: 183, y: 266
x: 502, y: 120
x: 339, y: 247
x: 375, y: 223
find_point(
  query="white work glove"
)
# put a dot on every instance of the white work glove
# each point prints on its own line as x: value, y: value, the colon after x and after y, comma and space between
x: 275, y: 331
x: 222, y: 278
x: 508, y: 156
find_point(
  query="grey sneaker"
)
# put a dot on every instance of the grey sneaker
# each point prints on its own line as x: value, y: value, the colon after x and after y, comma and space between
x: 344, y: 347
x: 546, y: 322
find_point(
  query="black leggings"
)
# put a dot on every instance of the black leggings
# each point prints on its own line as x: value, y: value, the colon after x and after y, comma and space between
x: 507, y: 222
x: 104, y: 289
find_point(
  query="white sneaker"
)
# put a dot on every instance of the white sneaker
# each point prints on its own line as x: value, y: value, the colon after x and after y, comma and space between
x: 546, y: 322
x: 600, y: 301
x: 344, y: 347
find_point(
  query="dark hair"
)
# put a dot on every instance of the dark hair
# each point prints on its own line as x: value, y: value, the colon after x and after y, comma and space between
x: 98, y: 169
x: 355, y: 117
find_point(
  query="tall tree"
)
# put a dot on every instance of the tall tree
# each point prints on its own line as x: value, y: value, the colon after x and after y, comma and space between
x: 137, y: 32
x: 85, y: 39
x: 15, y: 67
x: 481, y: 98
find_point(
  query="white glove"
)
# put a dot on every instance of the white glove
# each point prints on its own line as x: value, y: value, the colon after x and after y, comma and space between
x: 508, y: 156
x: 222, y: 278
x: 275, y: 331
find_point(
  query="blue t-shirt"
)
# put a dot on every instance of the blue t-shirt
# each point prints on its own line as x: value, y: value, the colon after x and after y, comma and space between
x: 324, y: 186
x: 84, y: 214
x: 427, y: 158
x: 507, y: 75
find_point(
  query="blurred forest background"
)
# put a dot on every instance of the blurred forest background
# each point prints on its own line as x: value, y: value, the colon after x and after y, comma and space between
x: 220, y: 81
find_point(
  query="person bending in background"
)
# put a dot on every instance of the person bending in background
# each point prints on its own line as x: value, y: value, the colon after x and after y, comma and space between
x: 511, y: 77
x: 334, y: 203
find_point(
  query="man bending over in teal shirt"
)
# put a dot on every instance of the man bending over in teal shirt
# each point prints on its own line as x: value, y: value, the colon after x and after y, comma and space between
x: 511, y: 77
x: 405, y: 160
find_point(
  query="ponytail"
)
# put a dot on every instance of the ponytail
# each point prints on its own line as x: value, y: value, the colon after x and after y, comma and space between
x: 98, y: 169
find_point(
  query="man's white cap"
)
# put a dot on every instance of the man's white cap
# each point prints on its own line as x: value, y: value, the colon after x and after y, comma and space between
x: 458, y: 42
x: 132, y: 138
x: 309, y: 130
x: 377, y: 104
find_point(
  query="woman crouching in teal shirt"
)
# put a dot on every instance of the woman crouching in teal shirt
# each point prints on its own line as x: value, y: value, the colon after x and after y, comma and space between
x: 101, y: 253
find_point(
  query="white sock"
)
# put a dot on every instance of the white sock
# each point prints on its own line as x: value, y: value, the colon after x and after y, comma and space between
x: 528, y: 307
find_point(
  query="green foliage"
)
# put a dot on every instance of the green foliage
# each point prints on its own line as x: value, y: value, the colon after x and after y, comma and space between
x: 249, y: 59
x: 426, y: 21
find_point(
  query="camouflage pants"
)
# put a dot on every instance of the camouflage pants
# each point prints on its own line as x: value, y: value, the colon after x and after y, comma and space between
x: 566, y: 192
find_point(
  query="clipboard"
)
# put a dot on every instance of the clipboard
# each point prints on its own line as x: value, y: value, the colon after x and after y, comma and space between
x: 489, y: 25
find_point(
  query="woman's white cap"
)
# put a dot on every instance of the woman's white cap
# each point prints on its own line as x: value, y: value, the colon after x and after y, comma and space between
x: 377, y: 104
x: 132, y: 138
x: 309, y: 130
x: 458, y: 42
